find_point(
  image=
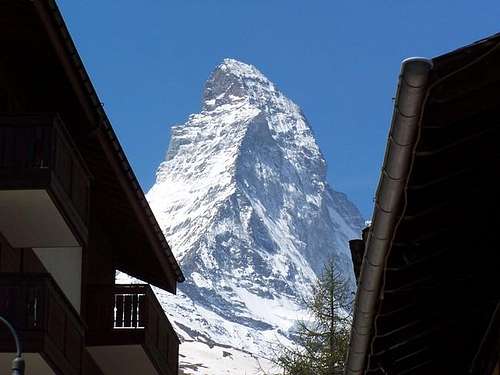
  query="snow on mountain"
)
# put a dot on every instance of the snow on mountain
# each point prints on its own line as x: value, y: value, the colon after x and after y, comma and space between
x: 243, y: 201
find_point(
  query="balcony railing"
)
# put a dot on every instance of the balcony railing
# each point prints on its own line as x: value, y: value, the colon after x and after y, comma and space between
x: 44, y: 319
x: 129, y: 311
x: 131, y: 314
x: 37, y: 152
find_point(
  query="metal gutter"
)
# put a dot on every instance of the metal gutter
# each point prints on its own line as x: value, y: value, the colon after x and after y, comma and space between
x: 412, y: 89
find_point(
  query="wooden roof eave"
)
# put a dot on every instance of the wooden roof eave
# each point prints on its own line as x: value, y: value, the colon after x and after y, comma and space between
x: 80, y: 81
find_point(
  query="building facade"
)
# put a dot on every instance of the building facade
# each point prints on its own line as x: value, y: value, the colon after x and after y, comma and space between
x: 71, y: 214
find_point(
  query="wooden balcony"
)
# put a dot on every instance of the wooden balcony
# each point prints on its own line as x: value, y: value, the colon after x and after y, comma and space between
x: 44, y: 184
x: 50, y: 330
x: 129, y: 332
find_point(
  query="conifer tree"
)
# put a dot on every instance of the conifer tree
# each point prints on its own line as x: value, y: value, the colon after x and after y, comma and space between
x: 322, y: 340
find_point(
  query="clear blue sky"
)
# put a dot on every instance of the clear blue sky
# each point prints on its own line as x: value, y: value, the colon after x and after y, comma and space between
x: 339, y: 60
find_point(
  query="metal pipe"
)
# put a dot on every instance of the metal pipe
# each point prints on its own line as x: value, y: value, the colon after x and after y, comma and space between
x: 18, y: 362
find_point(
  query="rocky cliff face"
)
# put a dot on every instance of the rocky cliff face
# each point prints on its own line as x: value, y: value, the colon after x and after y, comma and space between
x: 243, y: 201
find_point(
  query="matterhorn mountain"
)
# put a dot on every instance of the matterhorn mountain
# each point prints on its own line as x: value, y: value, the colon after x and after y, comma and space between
x: 243, y: 201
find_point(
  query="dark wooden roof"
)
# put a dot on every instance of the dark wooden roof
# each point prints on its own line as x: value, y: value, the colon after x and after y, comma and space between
x: 48, y: 73
x: 439, y: 282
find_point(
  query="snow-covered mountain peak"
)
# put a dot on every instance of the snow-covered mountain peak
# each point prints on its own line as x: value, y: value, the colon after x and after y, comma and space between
x: 241, y: 70
x: 234, y: 81
x: 243, y: 201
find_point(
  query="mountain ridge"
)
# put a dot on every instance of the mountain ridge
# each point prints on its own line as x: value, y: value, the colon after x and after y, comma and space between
x: 243, y: 201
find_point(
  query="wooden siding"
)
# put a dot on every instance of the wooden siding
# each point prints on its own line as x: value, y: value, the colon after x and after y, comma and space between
x: 18, y: 260
x: 89, y: 367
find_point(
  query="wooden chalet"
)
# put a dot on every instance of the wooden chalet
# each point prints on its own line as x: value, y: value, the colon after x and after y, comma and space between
x: 71, y: 214
x: 428, y: 289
